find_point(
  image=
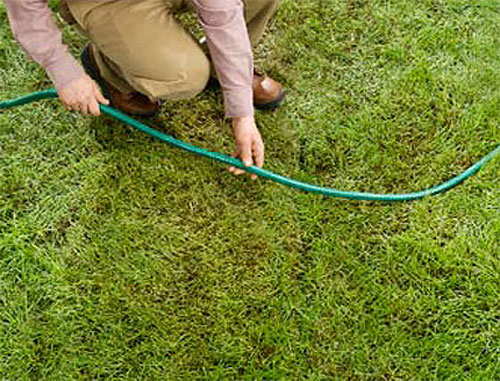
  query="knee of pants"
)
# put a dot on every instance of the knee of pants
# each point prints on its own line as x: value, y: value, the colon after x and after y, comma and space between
x: 192, y: 80
x: 197, y: 75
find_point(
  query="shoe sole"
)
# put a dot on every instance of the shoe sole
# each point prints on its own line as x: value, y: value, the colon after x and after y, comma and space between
x: 273, y: 105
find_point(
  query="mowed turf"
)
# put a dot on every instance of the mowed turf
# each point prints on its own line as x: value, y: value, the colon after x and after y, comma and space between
x: 123, y: 258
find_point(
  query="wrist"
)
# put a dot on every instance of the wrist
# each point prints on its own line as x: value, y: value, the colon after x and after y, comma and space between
x: 239, y: 102
x: 64, y: 71
x: 241, y: 119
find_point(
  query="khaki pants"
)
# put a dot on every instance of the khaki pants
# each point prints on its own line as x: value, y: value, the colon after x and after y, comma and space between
x: 140, y: 46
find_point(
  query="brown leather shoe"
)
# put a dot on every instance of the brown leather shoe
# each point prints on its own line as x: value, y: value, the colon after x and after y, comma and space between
x: 133, y: 103
x: 268, y: 94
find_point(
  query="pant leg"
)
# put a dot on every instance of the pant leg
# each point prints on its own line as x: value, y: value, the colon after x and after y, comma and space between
x: 257, y: 14
x: 139, y: 46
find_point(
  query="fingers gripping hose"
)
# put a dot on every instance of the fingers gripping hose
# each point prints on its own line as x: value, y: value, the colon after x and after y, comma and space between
x: 262, y: 172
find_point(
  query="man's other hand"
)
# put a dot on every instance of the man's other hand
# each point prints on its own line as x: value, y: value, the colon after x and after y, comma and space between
x: 249, y: 145
x: 82, y: 95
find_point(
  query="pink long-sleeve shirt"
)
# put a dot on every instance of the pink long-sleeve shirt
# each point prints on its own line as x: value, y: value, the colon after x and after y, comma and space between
x: 222, y: 20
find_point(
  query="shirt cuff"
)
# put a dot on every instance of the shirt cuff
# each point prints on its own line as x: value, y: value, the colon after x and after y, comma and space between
x: 239, y: 103
x: 64, y: 71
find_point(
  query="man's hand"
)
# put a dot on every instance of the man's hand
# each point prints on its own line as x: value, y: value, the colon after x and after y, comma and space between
x: 82, y: 95
x: 249, y: 145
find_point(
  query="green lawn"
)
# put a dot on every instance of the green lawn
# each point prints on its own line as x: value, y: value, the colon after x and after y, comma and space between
x: 121, y: 257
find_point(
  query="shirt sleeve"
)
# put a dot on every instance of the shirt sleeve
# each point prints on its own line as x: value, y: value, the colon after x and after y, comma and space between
x: 35, y: 30
x: 227, y: 36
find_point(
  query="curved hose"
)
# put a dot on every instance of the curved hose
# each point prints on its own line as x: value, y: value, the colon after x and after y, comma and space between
x: 262, y: 172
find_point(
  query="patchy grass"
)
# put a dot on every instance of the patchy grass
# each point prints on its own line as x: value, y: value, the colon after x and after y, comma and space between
x: 121, y: 257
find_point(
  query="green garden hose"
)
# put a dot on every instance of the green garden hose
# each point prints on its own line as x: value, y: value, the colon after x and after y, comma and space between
x: 262, y: 172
